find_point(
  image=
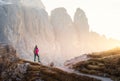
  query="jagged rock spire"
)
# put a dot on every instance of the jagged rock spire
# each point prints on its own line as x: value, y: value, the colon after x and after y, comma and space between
x: 81, y: 21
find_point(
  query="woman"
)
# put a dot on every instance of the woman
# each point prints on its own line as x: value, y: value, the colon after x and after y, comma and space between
x: 36, y: 52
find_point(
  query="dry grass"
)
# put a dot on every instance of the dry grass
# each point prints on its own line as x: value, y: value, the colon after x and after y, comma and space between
x: 14, y: 69
x: 102, y: 64
x: 37, y: 71
x: 115, y: 51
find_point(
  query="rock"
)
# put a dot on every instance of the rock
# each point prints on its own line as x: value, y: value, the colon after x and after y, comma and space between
x: 51, y: 64
x: 22, y: 70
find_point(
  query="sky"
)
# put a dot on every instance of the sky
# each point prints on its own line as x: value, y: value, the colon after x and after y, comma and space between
x: 103, y: 15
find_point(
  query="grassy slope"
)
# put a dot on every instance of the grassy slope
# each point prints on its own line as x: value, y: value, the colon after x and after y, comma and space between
x: 14, y: 69
x: 45, y: 73
x: 105, y: 63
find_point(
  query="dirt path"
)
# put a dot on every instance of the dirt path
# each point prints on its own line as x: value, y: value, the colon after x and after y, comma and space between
x: 92, y: 76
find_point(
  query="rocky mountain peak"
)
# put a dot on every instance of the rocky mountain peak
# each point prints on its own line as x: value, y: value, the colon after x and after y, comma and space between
x: 28, y: 3
x: 81, y: 21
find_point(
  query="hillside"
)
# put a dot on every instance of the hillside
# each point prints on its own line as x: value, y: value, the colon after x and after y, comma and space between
x: 106, y: 63
x: 14, y: 69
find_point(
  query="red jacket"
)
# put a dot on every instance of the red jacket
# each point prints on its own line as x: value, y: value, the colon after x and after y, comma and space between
x: 36, y: 51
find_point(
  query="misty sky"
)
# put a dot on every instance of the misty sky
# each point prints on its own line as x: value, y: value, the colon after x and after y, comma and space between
x: 103, y: 15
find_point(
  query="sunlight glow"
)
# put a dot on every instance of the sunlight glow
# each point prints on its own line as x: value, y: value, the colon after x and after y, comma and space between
x: 103, y: 15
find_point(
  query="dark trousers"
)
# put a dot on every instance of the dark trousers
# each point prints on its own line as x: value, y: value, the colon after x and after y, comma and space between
x: 37, y: 56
